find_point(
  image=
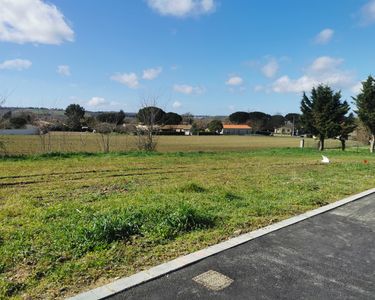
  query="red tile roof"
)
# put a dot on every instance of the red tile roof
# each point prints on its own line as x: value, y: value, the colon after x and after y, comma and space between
x: 231, y: 126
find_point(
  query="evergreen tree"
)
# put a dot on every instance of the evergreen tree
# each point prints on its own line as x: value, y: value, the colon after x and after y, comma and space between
x: 365, y: 102
x: 74, y: 114
x: 215, y: 126
x: 347, y: 126
x: 323, y: 113
x: 172, y: 118
x: 151, y: 115
x: 239, y: 117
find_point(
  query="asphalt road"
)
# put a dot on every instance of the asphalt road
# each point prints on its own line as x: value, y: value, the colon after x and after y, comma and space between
x: 329, y: 256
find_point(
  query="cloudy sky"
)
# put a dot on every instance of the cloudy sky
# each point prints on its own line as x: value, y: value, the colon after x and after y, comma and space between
x: 198, y: 56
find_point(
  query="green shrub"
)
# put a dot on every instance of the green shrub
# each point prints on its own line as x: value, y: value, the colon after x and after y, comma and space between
x: 157, y: 224
x: 183, y: 219
x: 109, y: 228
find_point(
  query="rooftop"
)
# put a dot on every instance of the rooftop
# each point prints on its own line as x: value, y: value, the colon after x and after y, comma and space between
x: 233, y: 126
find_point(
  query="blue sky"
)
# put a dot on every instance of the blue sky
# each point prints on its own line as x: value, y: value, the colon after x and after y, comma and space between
x: 199, y: 56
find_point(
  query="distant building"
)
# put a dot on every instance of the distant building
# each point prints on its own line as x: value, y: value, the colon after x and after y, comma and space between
x: 229, y: 129
x: 287, y: 129
x: 186, y: 129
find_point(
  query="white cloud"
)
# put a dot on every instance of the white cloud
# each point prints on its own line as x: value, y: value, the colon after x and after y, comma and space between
x: 357, y: 88
x: 324, y: 36
x: 267, y: 65
x: 323, y: 70
x: 258, y: 88
x: 177, y: 104
x: 286, y: 85
x: 325, y: 63
x: 150, y: 74
x: 234, y: 81
x: 33, y: 21
x: 367, y: 13
x: 270, y: 68
x: 97, y: 101
x: 16, y: 64
x: 128, y: 79
x: 182, y: 8
x: 63, y: 70
x: 188, y: 89
x: 231, y: 107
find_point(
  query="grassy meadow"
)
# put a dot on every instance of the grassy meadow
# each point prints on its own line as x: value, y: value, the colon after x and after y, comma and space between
x: 70, y: 222
x: 90, y: 142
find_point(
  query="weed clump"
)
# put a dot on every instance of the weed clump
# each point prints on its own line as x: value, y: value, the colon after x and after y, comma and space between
x: 105, y: 229
x: 155, y: 225
x: 192, y: 188
x: 181, y: 220
x: 13, y: 288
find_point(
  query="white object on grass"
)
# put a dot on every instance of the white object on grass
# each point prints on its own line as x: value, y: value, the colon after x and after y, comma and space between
x: 325, y: 160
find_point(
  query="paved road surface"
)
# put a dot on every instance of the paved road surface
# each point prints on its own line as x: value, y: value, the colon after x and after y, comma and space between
x: 329, y: 256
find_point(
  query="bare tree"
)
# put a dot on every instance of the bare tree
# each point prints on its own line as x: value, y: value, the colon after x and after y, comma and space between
x: 105, y: 130
x: 44, y: 135
x: 151, y: 117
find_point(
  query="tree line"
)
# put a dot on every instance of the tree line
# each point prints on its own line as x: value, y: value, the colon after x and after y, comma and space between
x: 260, y: 121
x: 326, y: 115
x: 323, y: 114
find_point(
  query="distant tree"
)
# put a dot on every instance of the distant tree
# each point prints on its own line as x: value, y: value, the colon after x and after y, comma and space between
x: 90, y: 121
x: 239, y: 117
x: 200, y: 125
x: 294, y: 119
x: 187, y: 118
x: 323, y: 113
x: 194, y: 129
x: 362, y: 132
x: 111, y: 117
x: 258, y: 120
x: 365, y: 102
x: 105, y: 130
x: 347, y: 125
x: 215, y: 126
x: 74, y: 114
x: 120, y: 117
x: 18, y: 122
x: 172, y: 118
x: 274, y: 122
x: 7, y: 115
x: 151, y: 115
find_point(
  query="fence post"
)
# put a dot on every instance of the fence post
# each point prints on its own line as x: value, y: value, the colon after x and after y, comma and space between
x: 302, y: 143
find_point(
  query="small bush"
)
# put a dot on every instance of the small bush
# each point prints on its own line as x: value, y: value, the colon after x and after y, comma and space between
x: 192, y: 188
x: 106, y: 229
x: 184, y: 219
x: 154, y: 224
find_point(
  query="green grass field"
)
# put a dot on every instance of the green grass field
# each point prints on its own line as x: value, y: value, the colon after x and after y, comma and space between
x: 71, y: 222
x: 89, y: 142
